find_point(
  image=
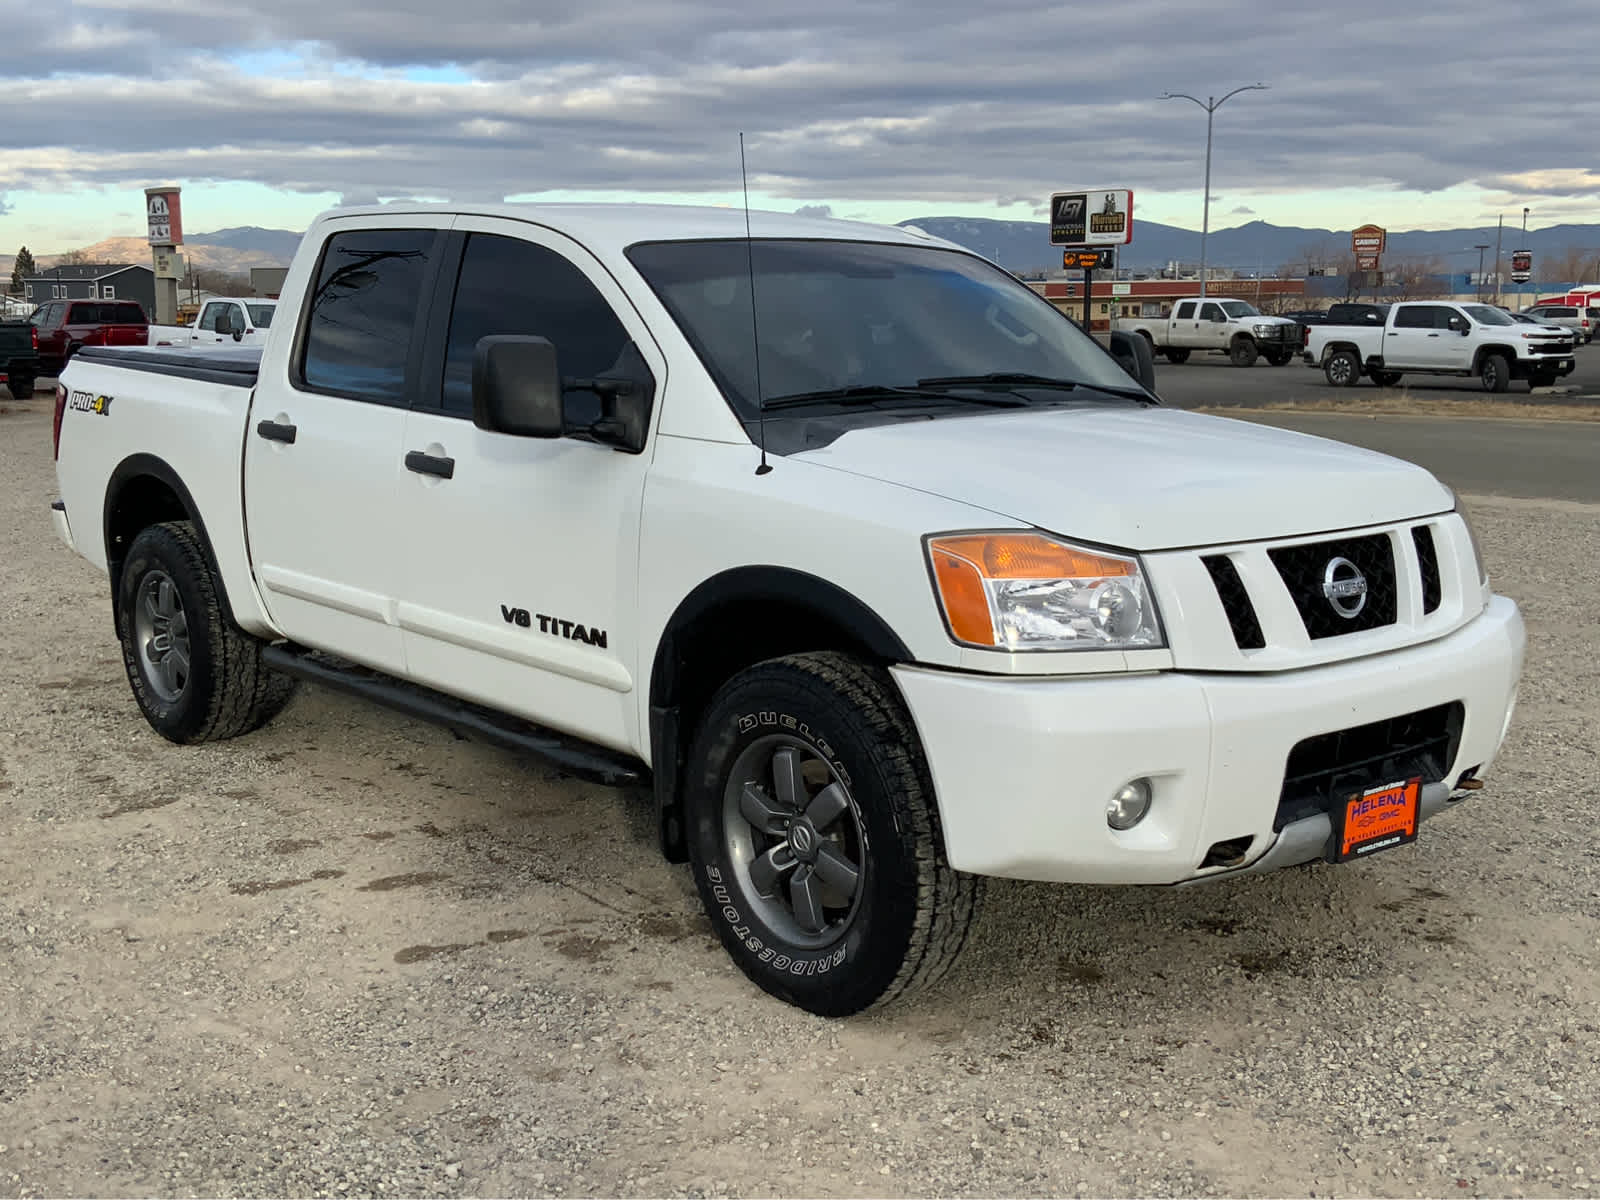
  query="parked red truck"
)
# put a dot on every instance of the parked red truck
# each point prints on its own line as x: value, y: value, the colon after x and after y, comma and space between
x: 65, y: 326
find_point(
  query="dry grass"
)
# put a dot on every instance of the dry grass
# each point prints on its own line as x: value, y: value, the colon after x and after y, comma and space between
x: 1403, y: 403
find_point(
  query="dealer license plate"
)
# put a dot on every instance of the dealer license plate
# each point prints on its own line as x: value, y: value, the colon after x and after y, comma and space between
x: 1380, y: 818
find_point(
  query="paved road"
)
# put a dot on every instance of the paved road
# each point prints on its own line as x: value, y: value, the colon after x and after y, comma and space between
x: 1541, y: 459
x: 1211, y: 380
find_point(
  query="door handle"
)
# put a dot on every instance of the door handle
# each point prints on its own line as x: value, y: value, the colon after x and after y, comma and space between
x: 1433, y: 335
x: 1393, y: 334
x: 428, y: 464
x: 274, y: 432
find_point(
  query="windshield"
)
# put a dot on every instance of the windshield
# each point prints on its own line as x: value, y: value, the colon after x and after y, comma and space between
x: 1239, y: 308
x: 1484, y: 315
x: 261, y: 314
x: 835, y: 315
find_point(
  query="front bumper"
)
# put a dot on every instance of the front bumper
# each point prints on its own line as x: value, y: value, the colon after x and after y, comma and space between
x: 1023, y: 768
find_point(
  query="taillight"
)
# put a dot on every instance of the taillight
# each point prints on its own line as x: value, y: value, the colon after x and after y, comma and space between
x: 61, y: 411
x: 34, y: 329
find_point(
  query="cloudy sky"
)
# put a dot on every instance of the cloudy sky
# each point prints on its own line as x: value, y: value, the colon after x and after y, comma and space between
x: 1415, y: 116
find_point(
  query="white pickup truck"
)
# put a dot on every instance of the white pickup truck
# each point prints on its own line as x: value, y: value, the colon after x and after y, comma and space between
x: 223, y: 321
x: 1434, y: 338
x: 1232, y: 327
x: 879, y: 571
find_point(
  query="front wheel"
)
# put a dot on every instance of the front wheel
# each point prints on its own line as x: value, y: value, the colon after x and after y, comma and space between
x: 1386, y: 378
x: 1243, y: 352
x: 1544, y: 377
x: 1176, y: 356
x: 1342, y: 369
x: 1494, y: 373
x: 194, y: 676
x: 1278, y: 358
x: 814, y: 837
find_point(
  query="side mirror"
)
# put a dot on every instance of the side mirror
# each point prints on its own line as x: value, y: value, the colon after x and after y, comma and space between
x: 225, y: 321
x: 1459, y: 325
x: 1132, y: 352
x: 516, y: 386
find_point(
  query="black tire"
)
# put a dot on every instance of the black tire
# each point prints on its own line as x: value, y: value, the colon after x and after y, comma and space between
x: 1177, y: 356
x: 167, y: 594
x: 21, y: 387
x: 1494, y: 372
x: 1386, y: 378
x: 1342, y: 369
x: 836, y: 729
x: 1243, y: 352
x: 1543, y: 378
x: 1278, y: 358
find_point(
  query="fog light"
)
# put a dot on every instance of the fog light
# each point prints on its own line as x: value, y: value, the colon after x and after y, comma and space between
x: 1129, y: 804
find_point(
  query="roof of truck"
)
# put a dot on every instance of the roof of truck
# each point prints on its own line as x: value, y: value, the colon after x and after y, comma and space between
x: 620, y: 225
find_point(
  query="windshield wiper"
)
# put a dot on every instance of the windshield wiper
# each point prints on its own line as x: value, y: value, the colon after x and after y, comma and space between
x: 871, y: 393
x: 1021, y: 379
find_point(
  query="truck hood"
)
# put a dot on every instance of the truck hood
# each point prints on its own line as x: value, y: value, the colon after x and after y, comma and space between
x: 1141, y: 479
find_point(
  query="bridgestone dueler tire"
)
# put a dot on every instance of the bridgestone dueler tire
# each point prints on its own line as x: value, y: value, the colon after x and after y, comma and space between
x: 228, y: 690
x: 914, y: 911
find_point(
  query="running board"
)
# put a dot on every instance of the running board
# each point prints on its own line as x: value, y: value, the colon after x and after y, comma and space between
x: 593, y: 763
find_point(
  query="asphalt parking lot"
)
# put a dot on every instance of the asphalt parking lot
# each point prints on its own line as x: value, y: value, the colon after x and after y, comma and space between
x: 353, y: 955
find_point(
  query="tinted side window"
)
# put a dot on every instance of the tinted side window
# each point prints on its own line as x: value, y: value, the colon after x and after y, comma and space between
x: 128, y: 314
x: 1186, y: 310
x: 1415, y: 316
x: 1210, y: 312
x: 362, y: 312
x: 208, y: 319
x: 511, y: 286
x: 1443, y: 314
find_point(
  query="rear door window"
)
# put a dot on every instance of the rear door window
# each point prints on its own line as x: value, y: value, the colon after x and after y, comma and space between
x: 363, y: 313
x: 1415, y: 316
x: 1186, y: 310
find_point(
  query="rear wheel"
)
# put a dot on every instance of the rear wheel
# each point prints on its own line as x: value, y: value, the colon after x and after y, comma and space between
x: 1342, y: 369
x: 1243, y: 352
x: 1177, y: 356
x: 195, y: 677
x: 22, y: 386
x: 1494, y: 373
x: 1386, y: 378
x: 815, y: 838
x: 1278, y: 358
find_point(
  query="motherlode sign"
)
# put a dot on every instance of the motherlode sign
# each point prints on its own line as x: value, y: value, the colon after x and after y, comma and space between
x: 1367, y: 242
x: 166, y: 217
x: 1092, y: 217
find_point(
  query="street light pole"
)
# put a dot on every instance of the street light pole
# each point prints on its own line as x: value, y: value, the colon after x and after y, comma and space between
x: 1210, y: 104
x: 1480, y: 248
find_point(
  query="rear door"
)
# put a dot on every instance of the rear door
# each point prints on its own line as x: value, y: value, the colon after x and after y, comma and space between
x: 1183, y: 329
x: 520, y: 588
x: 324, y: 448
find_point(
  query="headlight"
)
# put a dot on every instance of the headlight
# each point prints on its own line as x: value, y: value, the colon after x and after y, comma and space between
x: 1263, y: 330
x: 1472, y: 536
x: 1025, y: 591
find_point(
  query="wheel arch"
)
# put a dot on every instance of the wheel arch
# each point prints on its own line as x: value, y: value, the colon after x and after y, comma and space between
x: 1483, y: 352
x: 732, y: 621
x: 145, y: 490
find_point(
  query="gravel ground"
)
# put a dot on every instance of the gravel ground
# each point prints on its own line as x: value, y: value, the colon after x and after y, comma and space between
x: 351, y: 954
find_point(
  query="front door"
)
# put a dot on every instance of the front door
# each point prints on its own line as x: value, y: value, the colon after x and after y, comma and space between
x: 1213, y: 331
x: 324, y: 448
x: 520, y: 587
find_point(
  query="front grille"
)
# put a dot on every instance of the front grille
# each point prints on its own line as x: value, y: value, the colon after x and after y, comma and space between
x: 1331, y: 767
x: 1428, y: 564
x: 1304, y: 570
x: 1241, y: 613
x: 1550, y: 348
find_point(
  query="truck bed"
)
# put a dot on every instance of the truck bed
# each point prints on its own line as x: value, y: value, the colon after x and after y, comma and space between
x: 234, y: 368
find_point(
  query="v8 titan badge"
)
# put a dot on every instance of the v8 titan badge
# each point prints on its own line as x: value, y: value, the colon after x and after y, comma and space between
x: 1379, y: 818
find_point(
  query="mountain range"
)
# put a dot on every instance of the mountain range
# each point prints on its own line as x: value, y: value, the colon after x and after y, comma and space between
x: 1021, y: 246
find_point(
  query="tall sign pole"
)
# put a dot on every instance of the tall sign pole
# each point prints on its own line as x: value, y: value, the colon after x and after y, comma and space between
x: 1499, y: 230
x: 1090, y: 224
x: 164, y: 216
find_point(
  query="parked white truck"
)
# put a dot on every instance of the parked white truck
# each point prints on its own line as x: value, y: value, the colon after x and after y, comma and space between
x: 1232, y: 327
x: 223, y: 321
x: 879, y: 571
x: 1433, y: 338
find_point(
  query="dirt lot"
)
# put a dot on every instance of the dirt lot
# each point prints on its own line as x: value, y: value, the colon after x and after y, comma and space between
x: 351, y: 954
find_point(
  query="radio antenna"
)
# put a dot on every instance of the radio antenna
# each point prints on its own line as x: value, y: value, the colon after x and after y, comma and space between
x: 755, y: 330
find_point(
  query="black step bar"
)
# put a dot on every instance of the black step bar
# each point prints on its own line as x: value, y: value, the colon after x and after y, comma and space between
x: 595, y: 764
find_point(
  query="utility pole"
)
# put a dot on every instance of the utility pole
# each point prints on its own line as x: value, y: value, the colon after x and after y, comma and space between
x: 1523, y: 246
x: 1210, y: 104
x: 1498, y: 231
x: 1480, y: 249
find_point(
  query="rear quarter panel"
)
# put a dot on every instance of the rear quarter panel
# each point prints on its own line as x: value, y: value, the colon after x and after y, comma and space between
x: 196, y: 428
